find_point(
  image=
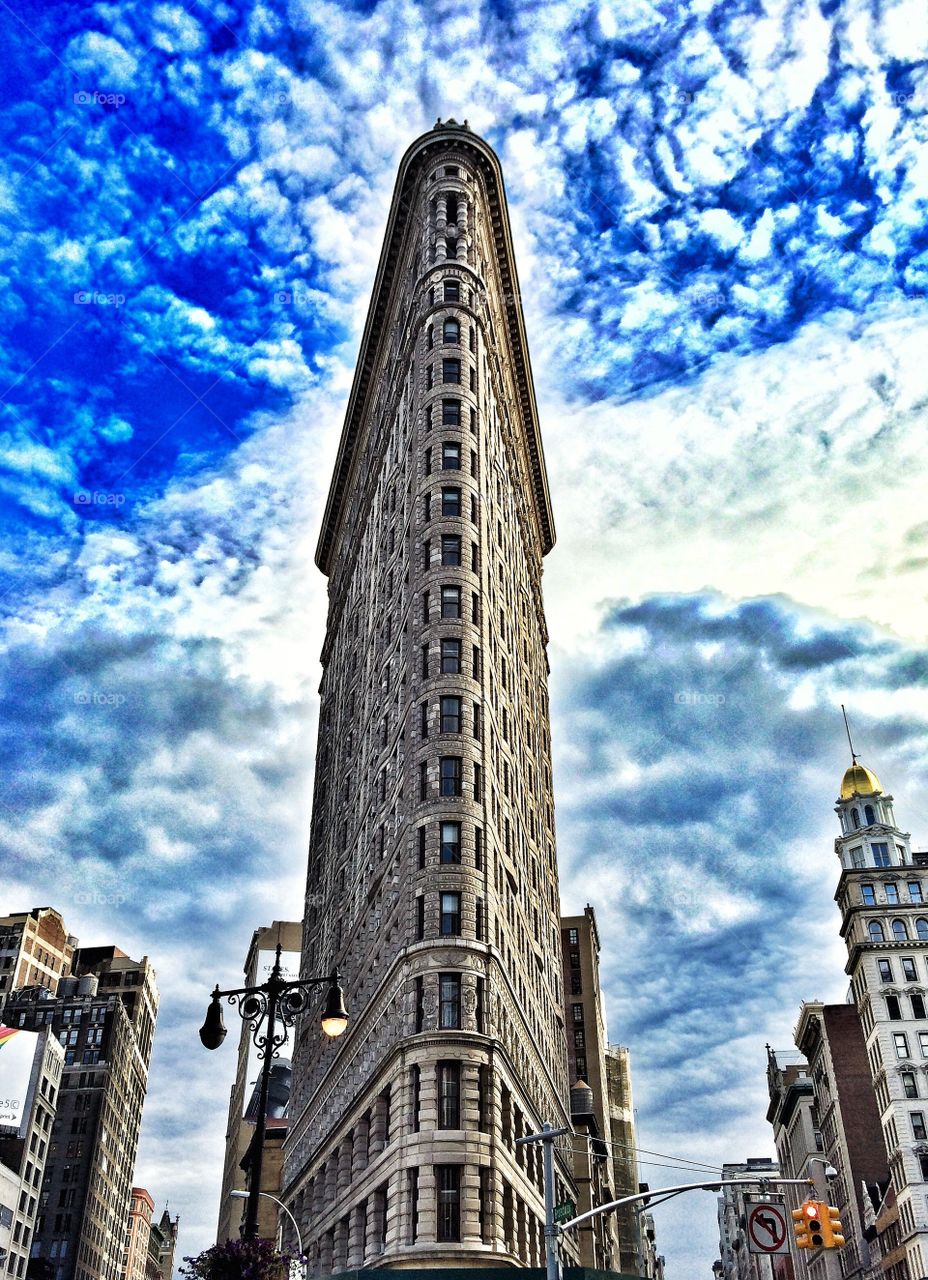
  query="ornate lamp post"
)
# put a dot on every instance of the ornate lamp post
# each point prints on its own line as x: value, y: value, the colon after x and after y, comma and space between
x: 275, y: 1001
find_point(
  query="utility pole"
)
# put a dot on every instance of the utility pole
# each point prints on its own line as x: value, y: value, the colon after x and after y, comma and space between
x: 818, y: 1176
x: 546, y: 1138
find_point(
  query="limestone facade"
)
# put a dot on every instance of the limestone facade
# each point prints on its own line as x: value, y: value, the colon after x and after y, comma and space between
x: 432, y: 880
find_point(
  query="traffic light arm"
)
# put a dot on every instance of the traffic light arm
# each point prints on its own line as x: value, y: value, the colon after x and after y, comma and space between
x: 667, y: 1193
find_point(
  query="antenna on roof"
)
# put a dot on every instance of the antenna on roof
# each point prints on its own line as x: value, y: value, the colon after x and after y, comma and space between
x: 849, y: 742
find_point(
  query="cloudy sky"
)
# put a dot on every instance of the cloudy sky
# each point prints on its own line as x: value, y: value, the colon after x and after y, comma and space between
x: 719, y: 215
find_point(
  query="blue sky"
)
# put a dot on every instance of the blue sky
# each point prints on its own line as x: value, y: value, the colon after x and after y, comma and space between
x: 719, y: 213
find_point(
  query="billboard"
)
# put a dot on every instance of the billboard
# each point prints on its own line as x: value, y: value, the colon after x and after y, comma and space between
x: 17, y: 1054
x: 280, y: 1082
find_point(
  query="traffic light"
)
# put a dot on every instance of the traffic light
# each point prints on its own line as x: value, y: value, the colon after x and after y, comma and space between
x: 833, y: 1230
x: 807, y: 1224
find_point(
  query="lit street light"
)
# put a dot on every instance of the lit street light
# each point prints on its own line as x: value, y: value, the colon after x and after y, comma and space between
x: 278, y: 1001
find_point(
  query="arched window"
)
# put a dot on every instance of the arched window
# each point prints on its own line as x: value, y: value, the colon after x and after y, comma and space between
x: 900, y: 932
x: 430, y: 337
x: 855, y: 818
x: 921, y: 928
x: 875, y: 929
x: 451, y: 331
x: 868, y: 814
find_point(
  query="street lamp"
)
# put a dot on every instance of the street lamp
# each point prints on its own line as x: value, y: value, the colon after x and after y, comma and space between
x: 276, y: 1001
x: 243, y: 1195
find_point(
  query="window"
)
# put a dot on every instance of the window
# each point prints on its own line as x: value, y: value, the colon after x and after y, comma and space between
x: 450, y: 413
x: 451, y: 842
x: 919, y: 1132
x: 894, y: 1013
x: 875, y: 930
x: 450, y: 775
x: 449, y: 1001
x: 892, y: 893
x: 900, y: 932
x: 422, y: 848
x: 855, y: 818
x: 477, y: 720
x: 908, y: 969
x: 451, y: 657
x: 450, y: 602
x: 923, y: 1043
x: 901, y: 1041
x: 429, y: 378
x: 577, y: 1012
x: 576, y: 984
x: 451, y: 915
x: 573, y: 937
x: 426, y: 555
x: 451, y: 549
x: 420, y: 916
x: 473, y: 380
x: 886, y: 971
x: 921, y: 929
x: 480, y: 1016
x: 867, y: 896
x: 474, y: 608
x: 451, y: 330
x: 450, y: 715
x: 448, y: 1196
x: 451, y: 502
x: 451, y: 456
x: 452, y: 291
x: 423, y: 719
x: 869, y: 815
x: 857, y: 856
x: 478, y: 782
x: 915, y: 891
x: 425, y: 661
x: 449, y: 1095
x: 909, y: 1084
x: 428, y: 462
x: 450, y: 370
x: 426, y: 507
x: 423, y: 780
x: 579, y: 1038
x: 476, y: 662
x: 473, y: 339
x: 473, y: 462
x: 473, y: 508
x: 474, y: 558
x: 880, y: 855
x: 923, y: 1165
x: 918, y: 1005
x: 416, y: 1096
x: 430, y: 337
x: 425, y: 608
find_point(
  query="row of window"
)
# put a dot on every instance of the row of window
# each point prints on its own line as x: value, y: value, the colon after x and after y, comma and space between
x: 450, y: 549
x: 900, y: 930
x: 901, y: 1043
x: 450, y: 716
x: 450, y: 505
x: 451, y: 605
x: 450, y: 374
x: 894, y: 1007
x: 452, y: 415
x: 909, y: 971
x: 449, y: 1003
x: 450, y: 778
x: 891, y: 893
x: 450, y: 334
x: 451, y: 658
x: 450, y: 845
x: 449, y: 916
x: 451, y: 454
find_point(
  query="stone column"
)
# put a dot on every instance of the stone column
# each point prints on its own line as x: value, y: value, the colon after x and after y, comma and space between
x: 345, y: 1149
x: 357, y: 1231
x: 340, y: 1249
x: 331, y: 1176
x: 326, y: 1253
x: 361, y: 1136
x: 378, y: 1130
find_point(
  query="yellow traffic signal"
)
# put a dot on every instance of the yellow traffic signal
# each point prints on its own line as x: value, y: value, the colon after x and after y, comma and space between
x: 801, y: 1228
x: 807, y: 1224
x: 833, y: 1230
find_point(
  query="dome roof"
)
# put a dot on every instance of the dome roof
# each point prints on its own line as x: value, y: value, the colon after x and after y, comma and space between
x: 859, y: 781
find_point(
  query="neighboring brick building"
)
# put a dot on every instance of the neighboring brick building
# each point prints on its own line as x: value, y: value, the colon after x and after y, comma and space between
x: 432, y: 879
x: 35, y: 950
x: 138, y: 1235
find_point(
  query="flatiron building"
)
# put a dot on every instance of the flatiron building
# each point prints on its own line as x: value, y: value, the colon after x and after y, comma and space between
x: 432, y: 880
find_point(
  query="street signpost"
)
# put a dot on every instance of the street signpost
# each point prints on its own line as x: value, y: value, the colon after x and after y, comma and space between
x: 766, y: 1228
x: 564, y: 1212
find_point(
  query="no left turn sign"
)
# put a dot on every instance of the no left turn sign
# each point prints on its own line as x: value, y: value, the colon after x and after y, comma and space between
x: 767, y: 1229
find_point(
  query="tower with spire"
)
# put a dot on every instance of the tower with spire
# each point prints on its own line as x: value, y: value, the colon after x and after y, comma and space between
x: 882, y: 893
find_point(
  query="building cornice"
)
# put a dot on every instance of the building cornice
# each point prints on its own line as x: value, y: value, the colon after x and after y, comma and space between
x: 423, y: 152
